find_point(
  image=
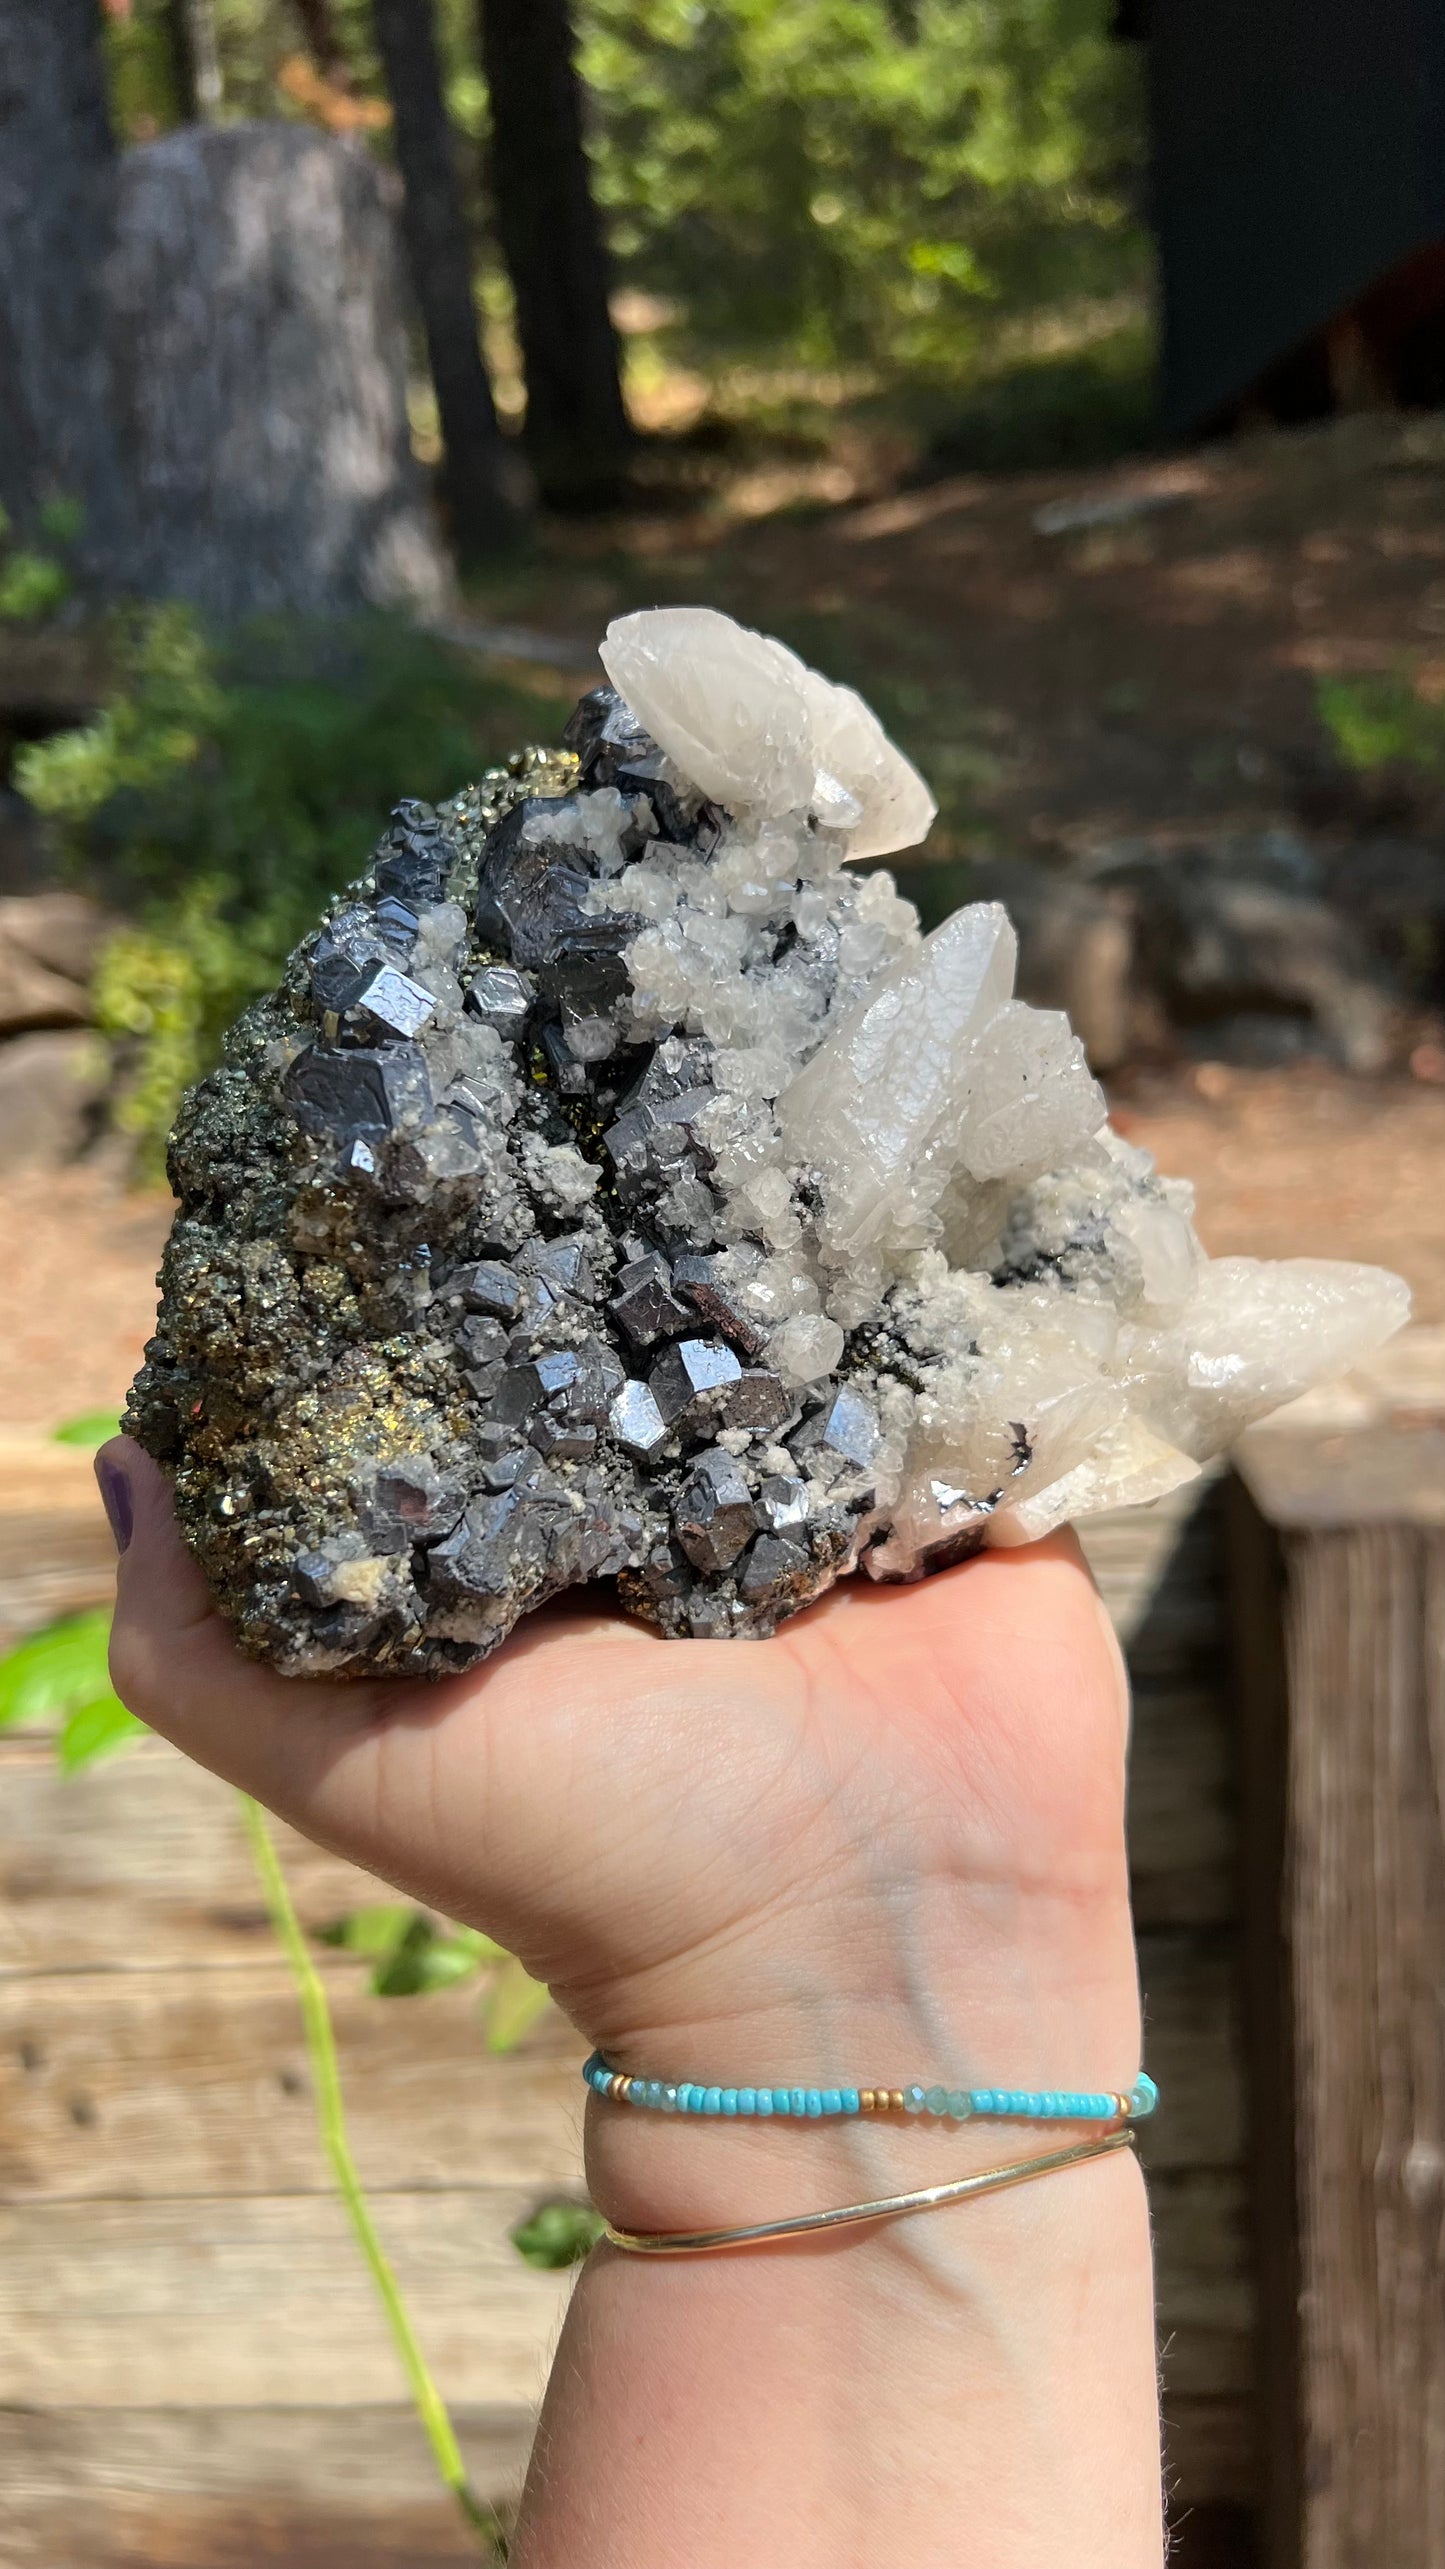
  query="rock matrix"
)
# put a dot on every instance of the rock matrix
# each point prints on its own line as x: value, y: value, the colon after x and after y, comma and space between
x: 619, y: 1188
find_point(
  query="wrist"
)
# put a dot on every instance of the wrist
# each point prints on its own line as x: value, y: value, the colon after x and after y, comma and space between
x: 985, y: 1992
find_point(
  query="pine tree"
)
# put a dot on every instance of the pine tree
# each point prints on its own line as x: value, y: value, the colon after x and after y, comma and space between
x: 551, y: 238
x: 439, y: 253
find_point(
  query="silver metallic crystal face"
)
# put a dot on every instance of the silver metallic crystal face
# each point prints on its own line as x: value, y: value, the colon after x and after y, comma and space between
x: 618, y: 1186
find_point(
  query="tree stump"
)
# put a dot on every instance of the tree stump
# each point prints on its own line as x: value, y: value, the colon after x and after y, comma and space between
x: 259, y: 355
x: 57, y: 175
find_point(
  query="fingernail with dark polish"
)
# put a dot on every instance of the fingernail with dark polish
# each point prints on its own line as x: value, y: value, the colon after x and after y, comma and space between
x: 116, y: 1500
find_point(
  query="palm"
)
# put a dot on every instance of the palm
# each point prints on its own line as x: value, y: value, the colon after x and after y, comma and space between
x: 640, y: 1819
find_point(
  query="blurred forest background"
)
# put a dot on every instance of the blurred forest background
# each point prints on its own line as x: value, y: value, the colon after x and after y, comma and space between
x: 812, y: 208
x: 365, y: 355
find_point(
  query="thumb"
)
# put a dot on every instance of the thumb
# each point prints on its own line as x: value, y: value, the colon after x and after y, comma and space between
x: 449, y: 1790
x: 174, y: 1660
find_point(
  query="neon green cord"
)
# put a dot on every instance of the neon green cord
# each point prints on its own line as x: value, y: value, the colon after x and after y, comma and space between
x: 331, y: 2121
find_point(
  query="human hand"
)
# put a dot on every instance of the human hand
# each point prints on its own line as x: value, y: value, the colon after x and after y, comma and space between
x: 886, y: 1844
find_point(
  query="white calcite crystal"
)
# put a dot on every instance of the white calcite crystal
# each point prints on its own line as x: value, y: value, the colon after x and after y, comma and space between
x: 912, y: 1173
x: 748, y: 722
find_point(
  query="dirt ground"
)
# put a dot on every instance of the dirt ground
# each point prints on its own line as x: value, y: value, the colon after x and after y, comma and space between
x: 1299, y: 1163
x: 1082, y: 681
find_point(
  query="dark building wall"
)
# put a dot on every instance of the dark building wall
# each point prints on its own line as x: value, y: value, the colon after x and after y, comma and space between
x: 1299, y: 156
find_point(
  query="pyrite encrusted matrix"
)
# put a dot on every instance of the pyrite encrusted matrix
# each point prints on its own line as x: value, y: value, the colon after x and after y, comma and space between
x: 619, y: 1188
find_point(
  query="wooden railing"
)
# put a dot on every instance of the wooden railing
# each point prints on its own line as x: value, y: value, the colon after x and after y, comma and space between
x: 1336, y: 1549
x: 188, y: 2354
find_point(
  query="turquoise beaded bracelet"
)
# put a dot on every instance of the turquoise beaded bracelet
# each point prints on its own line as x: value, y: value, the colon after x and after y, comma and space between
x: 817, y: 2104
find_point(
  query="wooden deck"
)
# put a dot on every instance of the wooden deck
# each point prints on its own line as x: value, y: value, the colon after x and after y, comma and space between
x: 192, y: 2372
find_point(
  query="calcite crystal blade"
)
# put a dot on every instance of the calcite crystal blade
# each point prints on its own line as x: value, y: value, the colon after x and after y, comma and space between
x: 619, y: 1188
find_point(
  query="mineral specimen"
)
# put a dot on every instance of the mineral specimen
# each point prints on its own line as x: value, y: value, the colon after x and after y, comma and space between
x: 618, y: 1187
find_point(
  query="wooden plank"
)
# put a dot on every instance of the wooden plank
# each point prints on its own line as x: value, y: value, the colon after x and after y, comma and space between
x: 331, y: 2489
x: 140, y: 1864
x: 325, y: 2488
x: 39, y: 1478
x: 263, y: 2301
x: 1345, y: 1625
x: 1133, y: 1552
x: 371, y: 2454
x: 1183, y: 1807
x: 1210, y: 2458
x: 1365, y: 1641
x: 1391, y: 1474
x: 1256, y: 1580
x: 1194, y: 2046
x: 56, y: 1553
x: 125, y: 2532
x: 139, y: 2084
x: 1205, y: 2285
x: 339, y: 2489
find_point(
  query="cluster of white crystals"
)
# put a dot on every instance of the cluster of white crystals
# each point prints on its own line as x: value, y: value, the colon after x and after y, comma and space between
x: 901, y: 1149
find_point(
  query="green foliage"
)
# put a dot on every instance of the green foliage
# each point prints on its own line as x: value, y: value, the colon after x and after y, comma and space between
x: 512, y: 2005
x: 227, y: 788
x: 844, y: 180
x: 61, y: 1675
x: 1078, y: 407
x: 95, y: 1730
x: 411, y: 1954
x: 557, y: 2234
x: 166, y: 995
x: 55, y: 1669
x: 1381, y: 721
x: 32, y: 583
x: 93, y: 1427
x: 895, y: 184
x: 166, y: 703
x: 32, y: 586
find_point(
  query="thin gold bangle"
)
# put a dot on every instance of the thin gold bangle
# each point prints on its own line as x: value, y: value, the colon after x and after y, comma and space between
x: 701, y: 2243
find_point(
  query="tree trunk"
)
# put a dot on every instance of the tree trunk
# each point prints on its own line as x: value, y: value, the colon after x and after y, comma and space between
x: 439, y: 254
x: 196, y: 56
x: 551, y: 237
x: 255, y: 290
x: 57, y: 193
x: 181, y: 54
x: 323, y: 40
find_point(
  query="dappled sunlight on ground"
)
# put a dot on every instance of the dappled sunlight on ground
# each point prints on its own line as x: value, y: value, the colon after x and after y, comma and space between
x: 1304, y: 1163
x: 77, y: 1291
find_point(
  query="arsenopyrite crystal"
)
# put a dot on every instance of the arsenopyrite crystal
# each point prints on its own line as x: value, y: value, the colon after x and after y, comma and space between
x: 619, y: 1188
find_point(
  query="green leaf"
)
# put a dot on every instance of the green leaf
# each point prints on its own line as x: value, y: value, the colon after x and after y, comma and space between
x: 96, y: 1730
x: 557, y: 2234
x: 410, y: 1952
x: 512, y: 2006
x: 430, y: 1958
x: 93, y: 1427
x: 375, y: 1930
x: 31, y: 586
x: 57, y: 1671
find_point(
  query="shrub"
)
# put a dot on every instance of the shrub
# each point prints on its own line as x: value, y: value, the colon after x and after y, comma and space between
x: 227, y: 788
x: 1383, y: 721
